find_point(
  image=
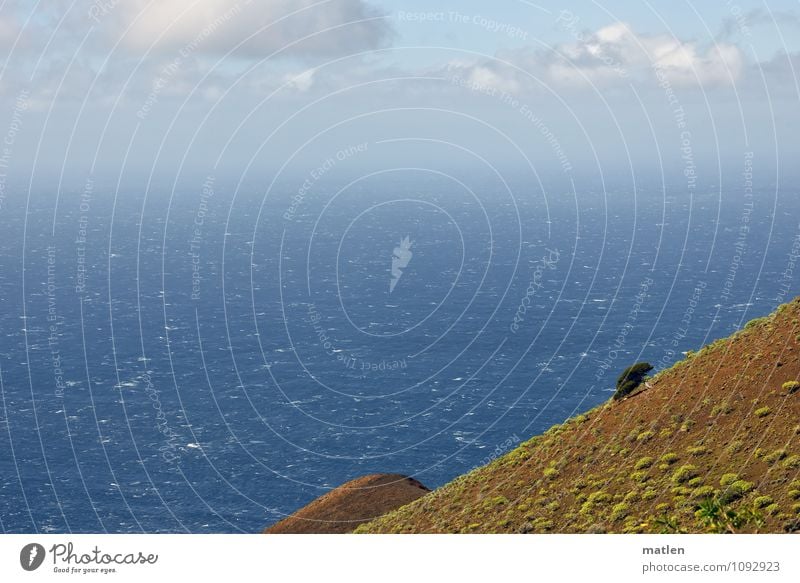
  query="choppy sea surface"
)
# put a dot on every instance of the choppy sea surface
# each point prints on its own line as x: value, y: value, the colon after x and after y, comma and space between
x: 208, y: 360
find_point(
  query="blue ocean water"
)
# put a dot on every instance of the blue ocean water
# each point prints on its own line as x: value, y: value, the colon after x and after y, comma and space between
x: 209, y: 359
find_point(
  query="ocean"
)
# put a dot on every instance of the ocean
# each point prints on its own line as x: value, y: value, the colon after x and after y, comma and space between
x: 206, y: 359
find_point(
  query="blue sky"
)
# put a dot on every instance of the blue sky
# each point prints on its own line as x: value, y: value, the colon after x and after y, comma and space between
x: 109, y: 85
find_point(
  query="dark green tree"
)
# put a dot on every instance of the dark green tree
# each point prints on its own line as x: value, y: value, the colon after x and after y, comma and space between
x: 631, y: 378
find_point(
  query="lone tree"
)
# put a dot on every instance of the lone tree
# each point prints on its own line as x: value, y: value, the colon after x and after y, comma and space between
x: 631, y: 378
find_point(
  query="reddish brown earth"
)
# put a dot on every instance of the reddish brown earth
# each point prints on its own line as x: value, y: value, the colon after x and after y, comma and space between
x: 344, y: 508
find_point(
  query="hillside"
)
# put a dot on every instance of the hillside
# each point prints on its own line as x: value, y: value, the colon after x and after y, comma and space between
x: 344, y: 508
x: 710, y: 445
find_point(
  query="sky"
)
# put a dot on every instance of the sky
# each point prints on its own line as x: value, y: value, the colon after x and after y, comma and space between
x: 254, y: 89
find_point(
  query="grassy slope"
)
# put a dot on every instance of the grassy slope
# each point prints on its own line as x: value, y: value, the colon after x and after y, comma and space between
x: 721, y: 415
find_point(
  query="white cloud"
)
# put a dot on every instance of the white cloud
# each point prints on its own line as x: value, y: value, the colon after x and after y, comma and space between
x: 485, y: 77
x: 216, y: 26
x: 612, y: 55
x: 301, y: 82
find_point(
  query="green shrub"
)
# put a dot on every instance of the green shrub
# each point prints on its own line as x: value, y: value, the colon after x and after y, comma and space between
x: 619, y: 511
x: 735, y: 491
x: 791, y: 387
x: 716, y: 516
x: 697, y: 451
x: 595, y: 498
x: 542, y: 524
x: 649, y: 494
x: 721, y: 409
x: 684, y: 473
x: 728, y: 479
x: 599, y: 497
x: 735, y: 446
x: 775, y: 456
x: 762, y: 501
x: 755, y: 322
x: 550, y: 473
x: 762, y: 412
x: 792, y: 462
x: 669, y: 458
x: 631, y: 378
x: 645, y: 436
x: 643, y: 463
x: 703, y: 492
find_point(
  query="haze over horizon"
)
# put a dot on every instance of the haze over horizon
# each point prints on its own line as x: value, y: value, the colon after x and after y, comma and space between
x: 251, y: 90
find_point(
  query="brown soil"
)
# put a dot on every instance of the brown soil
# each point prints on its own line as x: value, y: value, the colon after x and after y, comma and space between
x: 344, y: 508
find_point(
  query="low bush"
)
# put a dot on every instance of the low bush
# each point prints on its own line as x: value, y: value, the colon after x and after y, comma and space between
x: 697, y: 451
x: 684, y: 474
x: 669, y: 458
x: 763, y: 501
x: 619, y: 512
x: 735, y: 491
x: 703, y: 492
x: 775, y: 456
x: 792, y: 462
x: 791, y: 387
x: 550, y: 473
x: 645, y: 436
x: 631, y: 378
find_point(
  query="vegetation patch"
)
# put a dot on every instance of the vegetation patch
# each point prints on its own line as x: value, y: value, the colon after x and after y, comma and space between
x: 631, y: 378
x: 670, y: 458
x: 684, y: 473
x: 735, y: 491
x: 723, y: 408
x: 645, y: 436
x: 703, y: 492
x: 763, y: 501
x: 775, y: 456
x: 550, y: 473
x: 619, y: 511
x: 792, y: 462
x: 791, y: 387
